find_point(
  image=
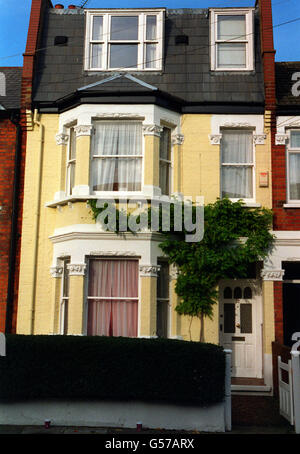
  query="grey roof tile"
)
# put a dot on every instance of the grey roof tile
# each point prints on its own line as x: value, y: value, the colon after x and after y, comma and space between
x: 184, y: 68
x: 10, y: 87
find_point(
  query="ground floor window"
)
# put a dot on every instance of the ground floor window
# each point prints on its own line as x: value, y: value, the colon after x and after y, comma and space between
x: 65, y: 290
x: 163, y: 299
x: 112, y: 297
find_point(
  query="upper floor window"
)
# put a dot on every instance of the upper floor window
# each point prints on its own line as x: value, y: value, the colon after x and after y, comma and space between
x: 117, y: 156
x: 237, y: 164
x: 232, y: 40
x: 165, y: 162
x: 124, y: 40
x: 71, y: 161
x: 293, y: 167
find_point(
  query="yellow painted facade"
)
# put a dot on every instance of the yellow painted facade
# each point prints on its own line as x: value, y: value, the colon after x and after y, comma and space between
x: 195, y: 172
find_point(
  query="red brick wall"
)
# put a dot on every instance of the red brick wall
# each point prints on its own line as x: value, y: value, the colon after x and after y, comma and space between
x: 7, y: 161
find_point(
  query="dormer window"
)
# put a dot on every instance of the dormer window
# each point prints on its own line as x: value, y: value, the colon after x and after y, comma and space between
x: 124, y: 40
x: 232, y: 40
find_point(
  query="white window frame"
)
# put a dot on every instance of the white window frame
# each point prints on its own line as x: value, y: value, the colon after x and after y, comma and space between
x: 70, y: 162
x: 63, y: 299
x: 249, y: 38
x: 168, y: 162
x: 244, y: 164
x: 93, y: 157
x: 141, y: 42
x: 289, y: 150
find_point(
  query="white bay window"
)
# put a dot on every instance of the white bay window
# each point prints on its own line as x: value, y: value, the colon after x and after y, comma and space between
x: 117, y: 156
x: 124, y: 39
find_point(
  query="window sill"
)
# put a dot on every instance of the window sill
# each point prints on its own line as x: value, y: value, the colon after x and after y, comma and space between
x: 291, y: 205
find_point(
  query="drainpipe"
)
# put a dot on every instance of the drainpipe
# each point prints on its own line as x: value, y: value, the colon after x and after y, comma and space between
x: 36, y: 219
x: 14, y: 227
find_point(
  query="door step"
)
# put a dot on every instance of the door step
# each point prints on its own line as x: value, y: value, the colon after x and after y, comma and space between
x: 254, y: 390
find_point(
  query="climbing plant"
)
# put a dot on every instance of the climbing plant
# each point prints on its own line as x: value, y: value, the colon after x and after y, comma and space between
x: 234, y: 237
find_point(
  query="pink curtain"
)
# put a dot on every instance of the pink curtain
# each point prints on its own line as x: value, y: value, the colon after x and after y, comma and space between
x: 113, y: 279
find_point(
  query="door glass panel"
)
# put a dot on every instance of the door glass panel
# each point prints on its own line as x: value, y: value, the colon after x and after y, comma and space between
x: 228, y: 293
x: 237, y: 295
x: 247, y: 293
x: 229, y: 318
x: 246, y: 318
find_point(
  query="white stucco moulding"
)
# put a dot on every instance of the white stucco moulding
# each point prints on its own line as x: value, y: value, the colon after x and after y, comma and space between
x: 56, y: 271
x: 272, y: 275
x: 83, y: 130
x: 280, y: 139
x: 152, y: 130
x: 259, y: 139
x: 62, y: 139
x: 149, y: 270
x: 177, y: 139
x: 215, y: 139
x: 76, y: 269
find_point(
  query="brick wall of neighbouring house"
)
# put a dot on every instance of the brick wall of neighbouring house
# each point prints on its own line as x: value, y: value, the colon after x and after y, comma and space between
x: 7, y: 162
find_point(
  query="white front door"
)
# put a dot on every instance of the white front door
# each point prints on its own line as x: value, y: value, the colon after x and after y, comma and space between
x: 241, y: 325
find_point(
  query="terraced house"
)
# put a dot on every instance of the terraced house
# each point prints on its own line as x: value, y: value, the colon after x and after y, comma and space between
x: 143, y: 102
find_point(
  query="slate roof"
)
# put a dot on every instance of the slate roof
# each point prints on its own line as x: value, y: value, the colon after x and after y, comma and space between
x: 186, y: 74
x: 10, y: 87
x: 284, y: 84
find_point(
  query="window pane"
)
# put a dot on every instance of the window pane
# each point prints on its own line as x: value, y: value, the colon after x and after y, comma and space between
x: 151, y: 27
x: 123, y: 55
x: 115, y: 139
x: 96, y: 56
x: 229, y: 318
x: 162, y: 318
x: 65, y: 308
x: 230, y: 27
x: 295, y: 139
x: 113, y: 278
x: 231, y: 55
x: 227, y: 293
x: 66, y: 278
x: 163, y: 280
x: 71, y: 176
x: 97, y: 28
x: 237, y: 146
x: 72, y: 144
x: 124, y: 28
x: 237, y: 182
x: 247, y: 293
x: 294, y: 175
x: 151, y: 58
x: 165, y: 144
x: 164, y: 177
x: 237, y: 294
x: 246, y: 318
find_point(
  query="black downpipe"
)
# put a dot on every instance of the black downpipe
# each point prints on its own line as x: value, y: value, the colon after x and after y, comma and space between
x: 14, y: 227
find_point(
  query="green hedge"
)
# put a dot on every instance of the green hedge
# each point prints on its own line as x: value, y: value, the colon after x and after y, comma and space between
x: 111, y: 368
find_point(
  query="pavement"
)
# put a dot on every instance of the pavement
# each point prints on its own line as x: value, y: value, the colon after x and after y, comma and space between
x: 74, y: 430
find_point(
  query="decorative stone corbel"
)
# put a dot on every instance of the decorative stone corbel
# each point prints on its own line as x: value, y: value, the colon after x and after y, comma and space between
x: 272, y: 275
x: 152, y: 130
x: 56, y: 271
x: 149, y: 270
x: 259, y: 139
x: 76, y: 269
x: 62, y: 139
x: 83, y: 130
x: 215, y: 139
x: 280, y: 139
x: 177, y: 139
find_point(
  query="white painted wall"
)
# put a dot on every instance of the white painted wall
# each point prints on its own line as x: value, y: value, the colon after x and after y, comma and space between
x: 114, y: 414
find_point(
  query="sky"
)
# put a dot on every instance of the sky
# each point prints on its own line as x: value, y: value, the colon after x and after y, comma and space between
x: 14, y: 20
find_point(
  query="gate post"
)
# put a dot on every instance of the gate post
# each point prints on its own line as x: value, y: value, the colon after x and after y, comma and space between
x: 296, y: 388
x: 228, y: 390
